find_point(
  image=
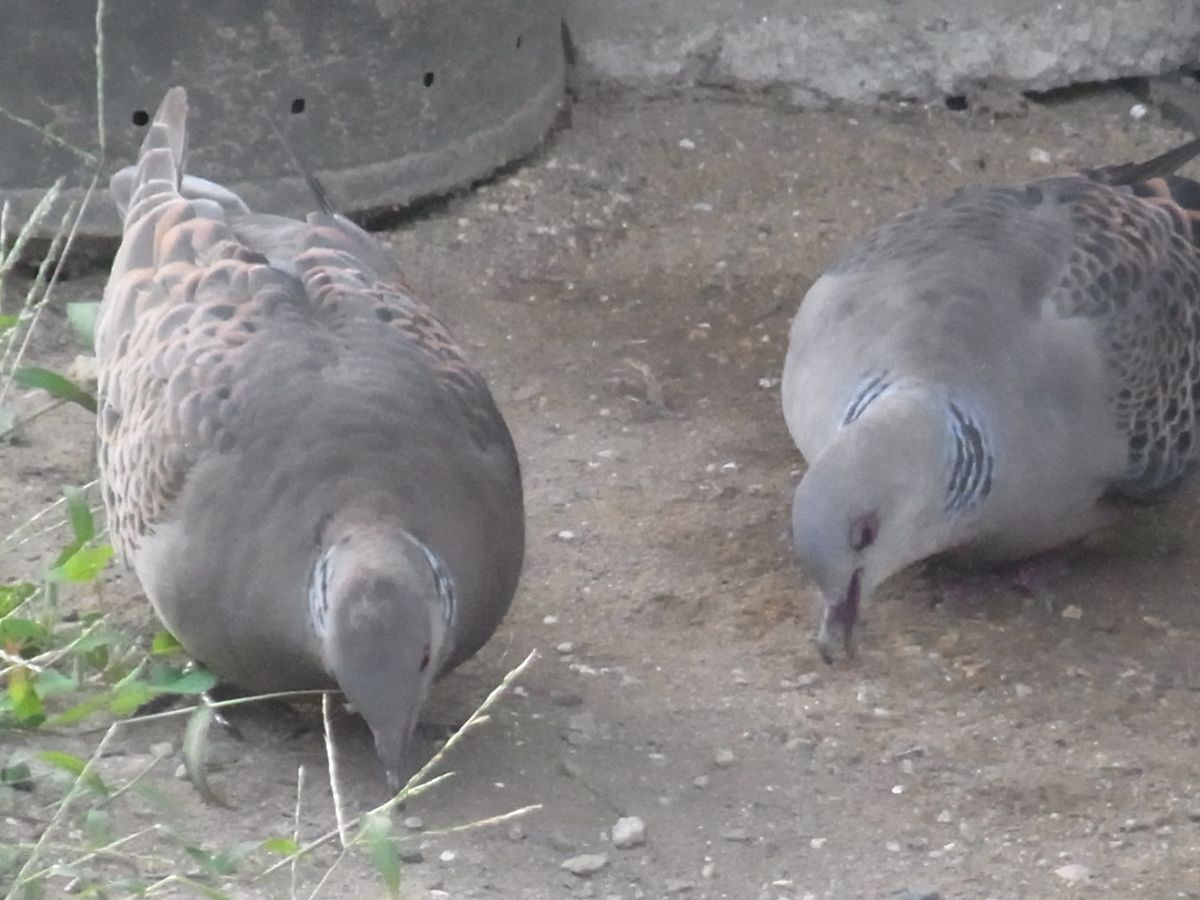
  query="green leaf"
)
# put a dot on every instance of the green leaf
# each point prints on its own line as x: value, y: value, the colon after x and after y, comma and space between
x: 97, y: 824
x: 55, y: 385
x: 26, y: 633
x: 79, y: 711
x: 13, y: 595
x: 23, y: 697
x: 17, y: 776
x: 7, y: 322
x: 84, y: 565
x: 230, y: 858
x: 165, y: 644
x: 283, y: 846
x: 129, y: 696
x: 196, y: 681
x: 377, y: 832
x: 76, y: 766
x: 50, y: 682
x: 82, y: 317
x: 80, y: 515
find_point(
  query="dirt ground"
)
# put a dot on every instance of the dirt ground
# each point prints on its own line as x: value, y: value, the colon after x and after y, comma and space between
x: 628, y: 292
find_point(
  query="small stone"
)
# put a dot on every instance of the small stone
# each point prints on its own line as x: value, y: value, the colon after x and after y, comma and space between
x: 181, y: 772
x: 1023, y: 690
x: 1038, y: 155
x: 807, y: 679
x: 565, y: 647
x: 448, y: 856
x: 585, y: 864
x: 411, y: 855
x: 892, y: 846
x: 687, y: 143
x: 945, y: 816
x: 708, y: 870
x: 677, y: 886
x: 1138, y: 111
x: 724, y: 758
x: 1072, y: 612
x: 817, y: 843
x: 736, y: 835
x: 162, y: 749
x: 700, y: 781
x: 516, y: 832
x: 565, y: 535
x: 550, y: 619
x: 1072, y: 873
x: 414, y: 823
x: 630, y: 831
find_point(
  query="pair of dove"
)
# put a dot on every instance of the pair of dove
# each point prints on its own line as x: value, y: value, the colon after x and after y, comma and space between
x: 316, y: 489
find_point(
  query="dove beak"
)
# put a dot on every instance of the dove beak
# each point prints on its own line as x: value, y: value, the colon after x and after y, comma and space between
x: 837, y: 623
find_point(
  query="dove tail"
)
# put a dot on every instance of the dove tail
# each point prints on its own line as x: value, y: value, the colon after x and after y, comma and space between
x: 160, y: 162
x: 1159, y: 166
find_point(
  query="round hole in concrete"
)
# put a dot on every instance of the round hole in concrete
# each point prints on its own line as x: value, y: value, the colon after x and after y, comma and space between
x: 140, y: 117
x: 428, y: 79
x: 297, y: 106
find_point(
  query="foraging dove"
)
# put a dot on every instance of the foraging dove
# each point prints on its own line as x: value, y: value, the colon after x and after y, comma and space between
x: 313, y: 486
x: 981, y: 373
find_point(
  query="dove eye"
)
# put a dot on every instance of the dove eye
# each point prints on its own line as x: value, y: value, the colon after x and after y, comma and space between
x: 863, y: 531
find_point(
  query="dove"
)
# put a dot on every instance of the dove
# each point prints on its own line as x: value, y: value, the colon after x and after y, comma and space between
x: 987, y: 373
x: 312, y: 484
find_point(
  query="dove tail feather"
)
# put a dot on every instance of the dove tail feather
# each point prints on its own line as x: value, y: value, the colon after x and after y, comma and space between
x: 1163, y: 164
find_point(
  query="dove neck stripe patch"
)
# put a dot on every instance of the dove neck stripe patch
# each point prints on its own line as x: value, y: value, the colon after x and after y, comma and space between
x: 971, y: 472
x: 870, y: 390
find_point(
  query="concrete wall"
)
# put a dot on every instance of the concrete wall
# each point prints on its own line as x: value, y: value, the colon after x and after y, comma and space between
x: 814, y: 51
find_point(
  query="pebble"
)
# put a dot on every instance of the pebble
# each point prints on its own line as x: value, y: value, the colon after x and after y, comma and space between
x: 817, y: 843
x: 414, y: 823
x: 516, y: 832
x: 566, y: 535
x: 687, y: 143
x: 447, y: 856
x: 585, y: 864
x: 1023, y: 690
x: 736, y: 835
x: 163, y: 749
x: 410, y: 855
x: 1072, y: 872
x: 630, y: 831
x: 945, y: 816
x: 724, y: 758
x: 1072, y: 612
x: 1138, y: 111
x: 708, y: 870
x: 565, y: 647
x: 700, y: 781
x: 677, y: 886
x: 1038, y: 155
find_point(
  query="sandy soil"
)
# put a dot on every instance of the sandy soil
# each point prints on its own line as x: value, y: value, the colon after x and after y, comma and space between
x: 628, y: 293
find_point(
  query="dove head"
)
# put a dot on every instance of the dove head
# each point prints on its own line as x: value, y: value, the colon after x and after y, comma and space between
x: 869, y: 505
x: 382, y: 605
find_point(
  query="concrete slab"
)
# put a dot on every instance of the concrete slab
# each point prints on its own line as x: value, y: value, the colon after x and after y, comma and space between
x: 863, y: 51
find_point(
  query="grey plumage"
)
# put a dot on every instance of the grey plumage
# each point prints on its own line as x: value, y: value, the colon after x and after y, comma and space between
x: 312, y: 484
x: 981, y: 373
